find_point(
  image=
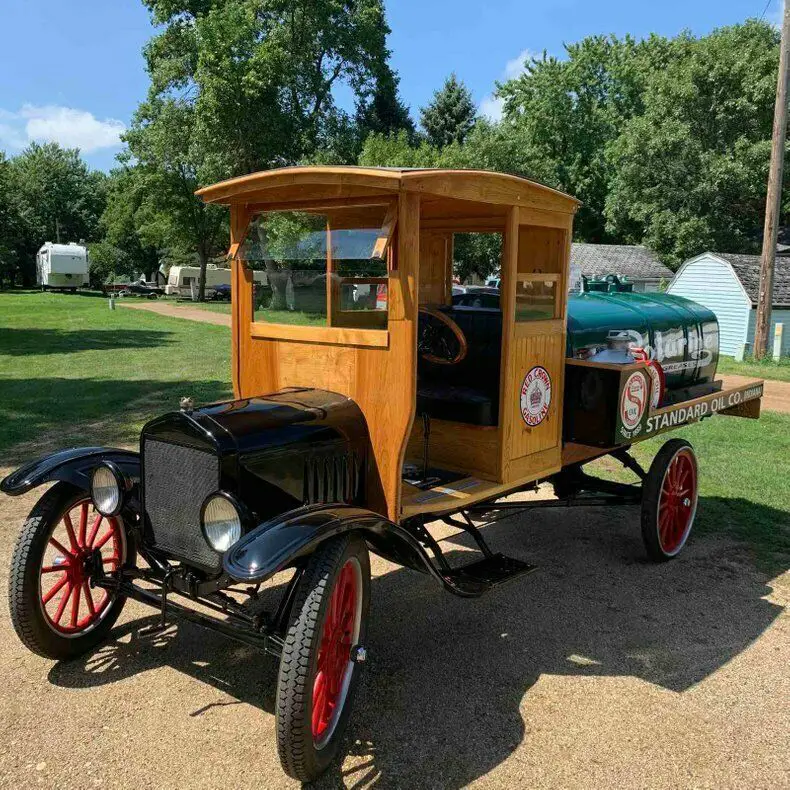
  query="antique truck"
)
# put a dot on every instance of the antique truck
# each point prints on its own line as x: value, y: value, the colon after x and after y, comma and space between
x: 367, y: 406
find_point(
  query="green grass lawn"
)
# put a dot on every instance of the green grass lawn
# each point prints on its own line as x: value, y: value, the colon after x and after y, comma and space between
x: 74, y: 372
x: 766, y: 368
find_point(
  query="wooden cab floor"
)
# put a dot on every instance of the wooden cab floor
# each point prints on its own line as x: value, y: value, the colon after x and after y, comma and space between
x: 445, y: 497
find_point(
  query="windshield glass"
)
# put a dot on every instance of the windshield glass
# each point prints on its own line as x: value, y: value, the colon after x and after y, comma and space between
x: 319, y: 268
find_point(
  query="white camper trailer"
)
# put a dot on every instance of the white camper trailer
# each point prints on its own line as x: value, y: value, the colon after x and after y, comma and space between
x: 62, y: 266
x: 181, y: 279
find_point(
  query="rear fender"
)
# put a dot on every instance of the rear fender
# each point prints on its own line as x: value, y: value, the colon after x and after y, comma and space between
x: 70, y: 466
x: 281, y: 541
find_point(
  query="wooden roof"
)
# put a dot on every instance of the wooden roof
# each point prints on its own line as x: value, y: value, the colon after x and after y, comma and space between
x: 295, y: 183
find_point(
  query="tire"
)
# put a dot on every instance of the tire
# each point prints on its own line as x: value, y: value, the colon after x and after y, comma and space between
x: 49, y: 623
x: 669, y: 500
x: 308, y: 734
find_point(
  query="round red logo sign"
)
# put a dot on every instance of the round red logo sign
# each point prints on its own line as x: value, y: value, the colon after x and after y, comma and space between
x: 633, y: 401
x: 535, y: 396
x: 657, y: 381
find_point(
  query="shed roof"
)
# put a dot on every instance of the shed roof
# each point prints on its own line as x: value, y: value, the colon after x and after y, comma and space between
x: 633, y: 261
x: 747, y: 270
x: 476, y: 185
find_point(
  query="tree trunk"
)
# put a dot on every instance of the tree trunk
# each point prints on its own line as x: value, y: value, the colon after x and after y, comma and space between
x: 278, y: 280
x: 203, y: 257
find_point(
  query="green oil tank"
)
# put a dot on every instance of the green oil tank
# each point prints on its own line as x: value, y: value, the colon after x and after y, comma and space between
x: 682, y: 335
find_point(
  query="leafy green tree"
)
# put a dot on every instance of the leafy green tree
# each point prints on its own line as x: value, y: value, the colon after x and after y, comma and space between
x: 261, y: 73
x: 163, y: 140
x: 690, y: 172
x: 245, y: 85
x: 451, y: 114
x: 125, y: 250
x: 383, y: 111
x: 54, y: 196
x: 567, y: 112
x: 476, y: 253
x: 397, y: 150
x: 9, y: 226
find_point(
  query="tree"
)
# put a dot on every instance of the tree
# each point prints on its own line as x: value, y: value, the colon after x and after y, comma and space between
x: 567, y: 112
x: 397, y: 150
x: 261, y: 73
x: 383, y: 111
x: 451, y: 114
x: 126, y: 251
x: 9, y: 226
x: 689, y: 173
x: 245, y: 85
x: 54, y: 196
x: 169, y: 165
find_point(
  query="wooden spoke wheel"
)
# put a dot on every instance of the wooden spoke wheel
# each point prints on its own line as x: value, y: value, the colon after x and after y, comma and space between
x: 439, y: 339
x: 669, y: 500
x: 63, y: 546
x: 320, y: 662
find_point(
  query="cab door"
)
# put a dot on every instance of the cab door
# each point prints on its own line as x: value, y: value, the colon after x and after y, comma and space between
x: 534, y: 304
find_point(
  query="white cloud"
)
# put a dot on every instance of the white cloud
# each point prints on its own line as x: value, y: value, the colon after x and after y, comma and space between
x: 65, y: 125
x: 491, y: 106
x: 516, y: 65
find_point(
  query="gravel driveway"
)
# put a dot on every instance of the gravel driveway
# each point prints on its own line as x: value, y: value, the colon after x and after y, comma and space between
x: 599, y: 670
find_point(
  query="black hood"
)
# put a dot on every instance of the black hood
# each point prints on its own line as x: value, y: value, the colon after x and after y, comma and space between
x: 278, y: 451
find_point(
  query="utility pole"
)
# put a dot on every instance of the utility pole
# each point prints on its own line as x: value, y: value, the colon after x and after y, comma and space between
x: 773, y: 201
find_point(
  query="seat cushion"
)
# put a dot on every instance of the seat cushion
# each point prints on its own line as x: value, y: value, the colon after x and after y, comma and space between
x: 456, y: 404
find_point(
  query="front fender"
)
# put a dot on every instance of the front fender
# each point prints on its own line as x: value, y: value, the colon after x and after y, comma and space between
x: 71, y: 466
x: 278, y: 543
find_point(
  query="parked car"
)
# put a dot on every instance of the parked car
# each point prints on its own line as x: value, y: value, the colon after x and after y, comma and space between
x: 142, y: 288
x: 222, y: 293
x: 477, y: 296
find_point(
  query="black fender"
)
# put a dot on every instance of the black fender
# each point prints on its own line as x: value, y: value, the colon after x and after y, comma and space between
x: 280, y: 542
x: 71, y: 466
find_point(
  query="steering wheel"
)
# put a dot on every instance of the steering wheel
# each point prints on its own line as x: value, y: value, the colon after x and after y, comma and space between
x: 437, y: 335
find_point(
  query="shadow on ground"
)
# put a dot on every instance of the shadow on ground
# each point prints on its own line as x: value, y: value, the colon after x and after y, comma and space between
x: 440, y: 700
x: 35, y: 342
x: 87, y: 411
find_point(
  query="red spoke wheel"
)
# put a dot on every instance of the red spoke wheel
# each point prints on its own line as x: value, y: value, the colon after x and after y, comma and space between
x: 669, y: 500
x: 318, y: 670
x: 63, y: 545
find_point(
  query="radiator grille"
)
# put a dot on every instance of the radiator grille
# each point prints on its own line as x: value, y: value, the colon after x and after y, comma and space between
x: 330, y: 478
x: 177, y: 480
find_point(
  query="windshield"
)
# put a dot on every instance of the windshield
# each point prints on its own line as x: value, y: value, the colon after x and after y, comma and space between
x: 320, y: 267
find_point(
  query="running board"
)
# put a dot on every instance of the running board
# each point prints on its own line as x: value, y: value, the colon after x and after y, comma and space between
x: 479, y: 577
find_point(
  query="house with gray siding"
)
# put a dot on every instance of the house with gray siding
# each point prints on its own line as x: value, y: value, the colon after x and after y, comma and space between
x: 728, y: 285
x: 637, y: 263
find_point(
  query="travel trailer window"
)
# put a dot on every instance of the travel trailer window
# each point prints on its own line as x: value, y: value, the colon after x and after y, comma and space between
x: 325, y: 267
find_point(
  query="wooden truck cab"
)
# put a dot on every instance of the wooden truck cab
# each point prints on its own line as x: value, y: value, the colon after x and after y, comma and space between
x: 410, y: 218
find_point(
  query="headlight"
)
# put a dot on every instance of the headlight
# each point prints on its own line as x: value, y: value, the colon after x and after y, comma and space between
x: 107, y: 487
x: 221, y: 521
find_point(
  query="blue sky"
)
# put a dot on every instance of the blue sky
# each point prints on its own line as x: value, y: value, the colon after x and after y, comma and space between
x: 72, y: 71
